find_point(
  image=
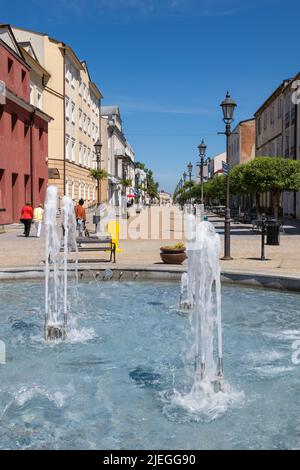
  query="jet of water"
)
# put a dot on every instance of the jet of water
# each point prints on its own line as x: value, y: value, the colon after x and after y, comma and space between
x: 56, y: 265
x: 204, y: 298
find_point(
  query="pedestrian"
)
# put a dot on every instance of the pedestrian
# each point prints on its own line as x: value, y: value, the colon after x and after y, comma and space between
x: 80, y: 217
x: 26, y: 218
x: 38, y: 216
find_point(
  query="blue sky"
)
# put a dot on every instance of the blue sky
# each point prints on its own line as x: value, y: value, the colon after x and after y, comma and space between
x: 168, y: 63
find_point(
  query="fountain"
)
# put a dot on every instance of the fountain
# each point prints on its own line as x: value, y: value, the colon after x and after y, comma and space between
x: 203, y: 286
x: 56, y: 266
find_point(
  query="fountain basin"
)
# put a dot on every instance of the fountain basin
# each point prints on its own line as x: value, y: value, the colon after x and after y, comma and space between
x: 120, y: 379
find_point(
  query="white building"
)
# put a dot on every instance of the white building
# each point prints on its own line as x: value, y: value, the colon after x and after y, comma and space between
x: 120, y: 160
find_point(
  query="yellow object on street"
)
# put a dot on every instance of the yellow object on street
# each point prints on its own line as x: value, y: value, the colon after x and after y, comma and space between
x: 113, y: 229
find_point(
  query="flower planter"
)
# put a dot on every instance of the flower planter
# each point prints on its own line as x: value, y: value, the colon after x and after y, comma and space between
x: 173, y: 255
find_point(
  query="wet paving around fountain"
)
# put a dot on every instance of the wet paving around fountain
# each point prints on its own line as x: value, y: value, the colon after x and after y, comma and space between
x: 121, y: 380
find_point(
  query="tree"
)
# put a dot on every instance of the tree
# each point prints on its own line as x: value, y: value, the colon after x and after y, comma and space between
x: 266, y: 174
x: 99, y: 175
x: 215, y: 190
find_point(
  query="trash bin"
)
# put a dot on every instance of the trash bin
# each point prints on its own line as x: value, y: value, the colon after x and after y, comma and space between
x: 273, y: 230
x: 96, y: 219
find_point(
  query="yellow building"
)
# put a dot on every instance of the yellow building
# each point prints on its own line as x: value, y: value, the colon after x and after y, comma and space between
x: 74, y: 102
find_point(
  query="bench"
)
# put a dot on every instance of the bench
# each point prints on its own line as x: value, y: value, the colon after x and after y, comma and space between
x: 97, y: 244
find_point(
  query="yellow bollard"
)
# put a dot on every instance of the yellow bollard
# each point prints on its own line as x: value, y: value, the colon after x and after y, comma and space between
x: 113, y: 229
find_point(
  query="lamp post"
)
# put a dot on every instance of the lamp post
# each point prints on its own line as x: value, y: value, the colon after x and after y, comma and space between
x: 190, y: 169
x: 202, y: 153
x: 184, y: 177
x: 98, y: 148
x: 228, y: 106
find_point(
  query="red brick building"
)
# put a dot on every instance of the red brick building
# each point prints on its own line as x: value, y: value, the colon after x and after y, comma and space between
x: 23, y: 135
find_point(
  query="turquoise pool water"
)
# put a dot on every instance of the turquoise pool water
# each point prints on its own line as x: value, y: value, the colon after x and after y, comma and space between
x: 115, y: 383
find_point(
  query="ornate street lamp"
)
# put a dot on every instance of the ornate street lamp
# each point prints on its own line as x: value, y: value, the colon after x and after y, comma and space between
x: 228, y: 106
x: 202, y: 153
x: 98, y: 148
x: 190, y: 170
x: 184, y: 177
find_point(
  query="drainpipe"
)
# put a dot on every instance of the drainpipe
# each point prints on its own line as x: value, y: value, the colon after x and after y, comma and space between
x: 32, y: 115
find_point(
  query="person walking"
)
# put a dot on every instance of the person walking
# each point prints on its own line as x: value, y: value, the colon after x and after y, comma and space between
x: 80, y: 217
x: 38, y: 216
x: 26, y: 218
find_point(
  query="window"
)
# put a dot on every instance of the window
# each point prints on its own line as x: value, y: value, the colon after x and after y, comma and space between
x: 265, y: 120
x: 9, y: 65
x: 67, y: 102
x: 39, y: 100
x: 31, y: 94
x: 73, y: 112
x: 259, y: 126
x: 79, y: 189
x: 73, y: 150
x: 272, y: 116
x: 26, y: 128
x: 84, y: 156
x: 73, y: 78
x: 23, y: 75
x: 73, y: 189
x: 2, y: 188
x: 80, y: 87
x: 89, y: 158
x: 67, y: 147
x: 80, y: 154
x: 14, y: 120
x: 96, y: 133
x: 80, y: 119
x: 94, y: 193
x: 84, y: 122
x: 89, y: 126
x: 67, y: 186
x: 68, y: 73
x: 84, y: 191
x: 84, y: 92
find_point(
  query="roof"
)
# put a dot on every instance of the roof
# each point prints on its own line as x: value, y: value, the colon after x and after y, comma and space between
x: 274, y: 95
x: 12, y: 45
x: 109, y: 110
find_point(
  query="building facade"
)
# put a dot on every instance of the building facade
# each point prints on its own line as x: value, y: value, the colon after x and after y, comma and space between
x: 74, y: 101
x: 278, y: 135
x: 242, y: 143
x: 23, y: 134
x: 120, y: 160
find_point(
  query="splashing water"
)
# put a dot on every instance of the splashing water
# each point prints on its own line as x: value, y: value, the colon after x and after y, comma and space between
x: 56, y: 266
x: 205, y: 317
x: 201, y: 296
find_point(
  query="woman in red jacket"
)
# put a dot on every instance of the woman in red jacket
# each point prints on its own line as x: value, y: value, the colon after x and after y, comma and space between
x: 26, y: 217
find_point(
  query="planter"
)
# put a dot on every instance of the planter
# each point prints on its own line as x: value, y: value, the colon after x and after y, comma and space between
x: 172, y: 255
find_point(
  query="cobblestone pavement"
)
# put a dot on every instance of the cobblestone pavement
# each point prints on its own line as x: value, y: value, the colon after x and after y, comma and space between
x: 16, y: 250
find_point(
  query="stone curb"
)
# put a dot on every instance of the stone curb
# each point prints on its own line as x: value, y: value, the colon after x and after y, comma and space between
x: 163, y: 273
